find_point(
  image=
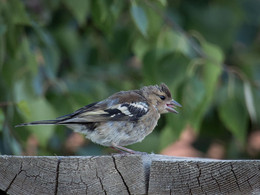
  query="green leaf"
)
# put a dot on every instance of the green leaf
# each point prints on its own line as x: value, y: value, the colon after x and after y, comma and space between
x: 78, y: 8
x: 3, y: 29
x: 22, y: 90
x: 172, y: 70
x: 32, y: 108
x: 212, y: 67
x: 28, y: 55
x: 168, y: 40
x: 41, y: 110
x: 256, y: 97
x: 140, y: 18
x: 9, y: 143
x: 140, y: 47
x: 250, y: 104
x: 193, y: 93
x: 24, y: 108
x: 2, y: 118
x: 172, y: 41
x: 149, y: 67
x: 192, y: 96
x: 233, y: 114
x: 155, y: 27
x: 149, y: 144
x: 103, y: 15
x: 211, y: 71
x: 234, y: 118
x: 163, y: 2
x: 172, y: 131
x: 213, y: 52
x: 19, y: 14
x: 48, y: 50
x: 211, y: 74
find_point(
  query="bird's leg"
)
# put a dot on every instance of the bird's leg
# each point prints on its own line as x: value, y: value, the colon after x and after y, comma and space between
x: 116, y: 149
x: 123, y: 149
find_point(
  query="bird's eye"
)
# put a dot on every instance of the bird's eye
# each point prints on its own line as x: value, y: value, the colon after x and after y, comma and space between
x: 162, y: 97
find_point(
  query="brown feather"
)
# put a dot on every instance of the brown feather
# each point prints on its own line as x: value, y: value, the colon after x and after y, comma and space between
x: 166, y: 90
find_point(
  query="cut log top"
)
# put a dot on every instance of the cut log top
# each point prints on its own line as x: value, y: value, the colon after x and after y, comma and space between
x: 127, y: 174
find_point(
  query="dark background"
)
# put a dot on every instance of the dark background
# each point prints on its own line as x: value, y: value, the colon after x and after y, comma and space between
x: 57, y: 56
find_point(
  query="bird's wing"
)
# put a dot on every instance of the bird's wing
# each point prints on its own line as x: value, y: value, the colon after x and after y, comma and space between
x: 86, y: 108
x: 122, y: 106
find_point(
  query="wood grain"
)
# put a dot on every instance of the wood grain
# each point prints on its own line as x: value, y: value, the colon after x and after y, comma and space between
x: 127, y: 174
x: 202, y: 176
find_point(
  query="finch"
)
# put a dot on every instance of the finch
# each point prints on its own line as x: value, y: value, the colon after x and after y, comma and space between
x: 122, y: 119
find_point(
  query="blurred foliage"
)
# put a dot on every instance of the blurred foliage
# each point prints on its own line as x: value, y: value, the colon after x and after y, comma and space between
x: 57, y: 56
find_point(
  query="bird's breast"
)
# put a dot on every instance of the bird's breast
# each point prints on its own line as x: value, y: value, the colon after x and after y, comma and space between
x: 122, y: 133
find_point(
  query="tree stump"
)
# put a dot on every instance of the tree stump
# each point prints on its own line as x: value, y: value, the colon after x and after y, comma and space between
x: 127, y: 174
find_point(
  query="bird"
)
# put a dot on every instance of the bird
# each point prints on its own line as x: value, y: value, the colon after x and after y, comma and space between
x: 122, y: 119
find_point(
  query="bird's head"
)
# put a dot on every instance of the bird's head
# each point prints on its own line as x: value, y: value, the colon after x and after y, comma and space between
x: 161, y: 98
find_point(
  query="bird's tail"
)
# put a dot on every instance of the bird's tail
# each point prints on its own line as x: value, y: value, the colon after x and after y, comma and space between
x: 45, y: 122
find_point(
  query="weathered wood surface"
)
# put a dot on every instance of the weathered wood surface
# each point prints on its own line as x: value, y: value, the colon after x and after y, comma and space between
x: 127, y: 174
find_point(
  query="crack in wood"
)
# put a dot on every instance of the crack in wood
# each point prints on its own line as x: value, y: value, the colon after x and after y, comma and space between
x: 147, y: 165
x: 57, y: 176
x: 216, y: 182
x: 8, y: 187
x: 100, y: 181
x: 82, y: 180
x: 248, y: 181
x: 233, y: 172
x: 120, y: 174
x: 198, y: 177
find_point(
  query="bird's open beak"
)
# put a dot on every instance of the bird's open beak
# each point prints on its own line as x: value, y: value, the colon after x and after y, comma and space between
x: 172, y: 105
